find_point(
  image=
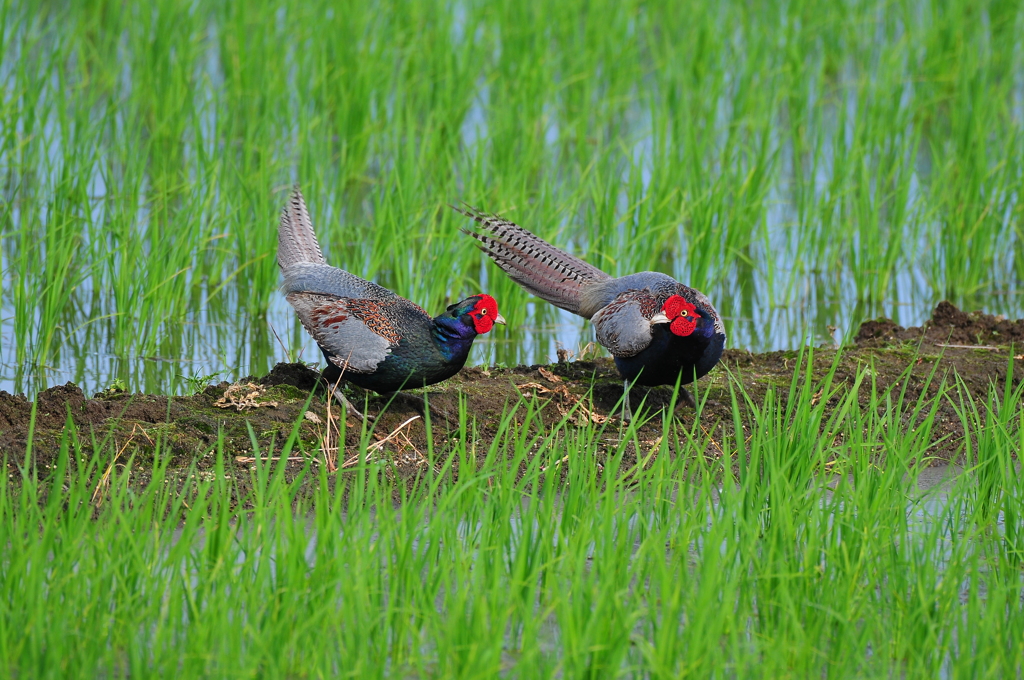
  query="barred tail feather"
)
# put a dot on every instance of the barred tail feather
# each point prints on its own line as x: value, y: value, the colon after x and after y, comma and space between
x: 536, y: 265
x: 296, y: 240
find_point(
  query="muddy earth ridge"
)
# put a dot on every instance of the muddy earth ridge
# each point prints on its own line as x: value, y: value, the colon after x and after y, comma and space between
x: 977, y: 347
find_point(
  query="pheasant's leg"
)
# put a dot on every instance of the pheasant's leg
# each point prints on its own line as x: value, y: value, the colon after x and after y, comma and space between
x: 349, y: 406
x: 332, y: 377
x: 627, y: 412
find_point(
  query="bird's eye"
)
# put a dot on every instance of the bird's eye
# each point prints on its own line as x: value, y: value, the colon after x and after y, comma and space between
x: 483, y: 311
x: 684, y: 313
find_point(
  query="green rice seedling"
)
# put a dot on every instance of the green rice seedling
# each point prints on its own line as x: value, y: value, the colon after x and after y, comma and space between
x: 991, y: 442
x: 807, y: 165
x: 538, y: 557
x: 855, y: 157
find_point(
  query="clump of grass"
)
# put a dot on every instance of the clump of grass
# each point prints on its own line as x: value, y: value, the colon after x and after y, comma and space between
x: 802, y: 546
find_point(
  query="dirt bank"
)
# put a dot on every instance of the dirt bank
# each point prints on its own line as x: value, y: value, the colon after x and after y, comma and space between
x: 976, y: 346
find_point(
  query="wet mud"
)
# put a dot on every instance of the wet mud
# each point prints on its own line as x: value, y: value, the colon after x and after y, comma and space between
x: 291, y: 402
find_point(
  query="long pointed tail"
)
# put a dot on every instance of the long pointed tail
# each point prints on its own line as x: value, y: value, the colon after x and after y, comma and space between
x: 533, y: 263
x: 296, y: 240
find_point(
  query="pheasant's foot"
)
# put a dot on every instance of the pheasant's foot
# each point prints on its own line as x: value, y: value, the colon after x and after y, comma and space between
x: 332, y: 380
x: 349, y: 406
x: 686, y: 398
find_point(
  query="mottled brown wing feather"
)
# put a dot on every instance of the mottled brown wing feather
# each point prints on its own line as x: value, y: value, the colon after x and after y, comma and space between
x: 356, y: 333
x: 623, y: 326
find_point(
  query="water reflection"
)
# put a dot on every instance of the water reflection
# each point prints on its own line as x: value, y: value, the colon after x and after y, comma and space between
x: 819, y: 248
x: 220, y: 344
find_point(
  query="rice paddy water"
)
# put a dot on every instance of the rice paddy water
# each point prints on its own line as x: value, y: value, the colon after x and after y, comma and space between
x: 807, y: 165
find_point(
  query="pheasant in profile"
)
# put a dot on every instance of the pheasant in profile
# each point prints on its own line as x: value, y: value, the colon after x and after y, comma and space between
x: 658, y: 330
x: 371, y: 336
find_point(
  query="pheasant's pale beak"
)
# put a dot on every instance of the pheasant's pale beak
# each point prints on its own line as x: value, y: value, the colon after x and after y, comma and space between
x: 499, y: 319
x: 660, y: 318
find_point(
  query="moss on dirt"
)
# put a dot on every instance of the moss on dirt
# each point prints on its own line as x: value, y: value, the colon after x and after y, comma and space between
x: 976, y: 347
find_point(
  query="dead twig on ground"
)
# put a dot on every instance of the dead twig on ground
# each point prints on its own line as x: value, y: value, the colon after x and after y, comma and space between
x: 104, y: 483
x: 240, y: 397
x: 377, y: 445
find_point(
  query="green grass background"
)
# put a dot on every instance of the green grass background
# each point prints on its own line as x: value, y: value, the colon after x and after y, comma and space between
x: 804, y: 163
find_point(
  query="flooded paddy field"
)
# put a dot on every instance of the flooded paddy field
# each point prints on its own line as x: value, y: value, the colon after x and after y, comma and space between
x: 842, y: 497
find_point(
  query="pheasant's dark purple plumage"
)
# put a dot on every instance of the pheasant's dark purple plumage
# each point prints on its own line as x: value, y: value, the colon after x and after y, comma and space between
x: 371, y: 336
x: 659, y: 331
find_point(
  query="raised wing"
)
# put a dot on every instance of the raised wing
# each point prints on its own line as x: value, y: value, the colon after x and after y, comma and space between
x: 536, y: 265
x: 296, y: 240
x: 307, y: 277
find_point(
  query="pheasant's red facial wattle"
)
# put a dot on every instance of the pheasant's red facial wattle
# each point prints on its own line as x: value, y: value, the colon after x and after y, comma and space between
x: 683, y: 314
x: 485, y: 314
